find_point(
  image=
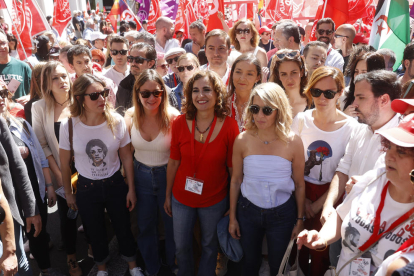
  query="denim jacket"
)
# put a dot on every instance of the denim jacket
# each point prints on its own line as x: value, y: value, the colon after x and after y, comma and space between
x: 38, y: 156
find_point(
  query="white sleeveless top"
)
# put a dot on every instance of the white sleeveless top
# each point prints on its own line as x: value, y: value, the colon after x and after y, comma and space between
x: 152, y: 154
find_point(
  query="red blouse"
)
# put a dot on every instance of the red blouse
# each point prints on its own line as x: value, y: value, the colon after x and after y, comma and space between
x: 212, y: 167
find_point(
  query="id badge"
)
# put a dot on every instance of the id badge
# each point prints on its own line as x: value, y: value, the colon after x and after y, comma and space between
x: 360, y: 267
x: 194, y: 185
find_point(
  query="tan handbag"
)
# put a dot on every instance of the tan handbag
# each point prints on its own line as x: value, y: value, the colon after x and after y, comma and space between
x: 285, y: 269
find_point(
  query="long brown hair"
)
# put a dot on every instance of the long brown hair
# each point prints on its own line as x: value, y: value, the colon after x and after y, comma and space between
x: 250, y: 58
x: 221, y: 109
x: 80, y: 86
x: 164, y: 118
x: 255, y: 34
x: 35, y: 83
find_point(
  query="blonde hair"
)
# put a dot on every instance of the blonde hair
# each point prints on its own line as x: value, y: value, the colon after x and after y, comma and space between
x: 164, y: 116
x: 46, y: 82
x: 80, y: 86
x: 275, y: 97
x: 255, y: 34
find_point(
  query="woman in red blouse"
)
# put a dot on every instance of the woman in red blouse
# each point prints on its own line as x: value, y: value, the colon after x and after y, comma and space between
x: 198, y: 169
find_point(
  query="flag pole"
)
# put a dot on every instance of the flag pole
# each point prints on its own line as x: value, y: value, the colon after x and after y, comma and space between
x: 18, y: 36
x: 324, y: 8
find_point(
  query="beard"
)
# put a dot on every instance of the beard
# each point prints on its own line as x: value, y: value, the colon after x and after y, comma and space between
x: 372, y: 117
x: 325, y: 40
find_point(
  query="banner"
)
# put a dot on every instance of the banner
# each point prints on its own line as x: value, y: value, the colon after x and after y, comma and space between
x: 358, y: 9
x: 61, y: 16
x: 21, y: 27
x: 169, y: 8
x: 201, y: 10
x: 213, y: 21
x: 39, y: 23
x: 181, y: 21
x: 144, y: 9
x: 121, y: 11
x: 280, y: 9
x: 155, y: 12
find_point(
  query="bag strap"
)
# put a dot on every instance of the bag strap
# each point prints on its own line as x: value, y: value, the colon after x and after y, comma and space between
x: 286, y: 257
x: 71, y: 138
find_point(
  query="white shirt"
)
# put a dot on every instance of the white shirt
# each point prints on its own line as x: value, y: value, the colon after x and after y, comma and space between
x: 358, y: 213
x: 322, y: 149
x: 95, y: 147
x: 406, y: 254
x: 115, y: 76
x: 226, y: 76
x: 170, y: 44
x: 334, y: 59
x: 364, y: 149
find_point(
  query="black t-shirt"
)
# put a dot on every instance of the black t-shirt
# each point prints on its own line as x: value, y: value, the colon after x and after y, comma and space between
x: 269, y: 46
x: 346, y: 59
x: 57, y: 129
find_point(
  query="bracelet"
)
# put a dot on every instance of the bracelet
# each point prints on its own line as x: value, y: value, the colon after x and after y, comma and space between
x: 49, y: 185
x: 326, y: 246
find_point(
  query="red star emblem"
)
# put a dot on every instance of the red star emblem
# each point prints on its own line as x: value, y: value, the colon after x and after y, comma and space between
x: 380, y: 28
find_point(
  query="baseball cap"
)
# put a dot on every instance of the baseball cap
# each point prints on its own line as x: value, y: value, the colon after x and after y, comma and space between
x: 403, y: 134
x: 264, y: 29
x: 97, y: 35
x: 361, y: 38
x: 180, y: 30
x: 54, y: 51
x: 174, y: 51
x: 401, y: 105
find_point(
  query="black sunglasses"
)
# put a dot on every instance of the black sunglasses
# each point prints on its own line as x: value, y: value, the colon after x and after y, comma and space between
x: 327, y: 32
x: 182, y: 68
x: 338, y: 35
x: 146, y: 94
x: 163, y: 66
x: 4, y: 93
x: 170, y: 60
x: 266, y: 109
x: 291, y: 54
x: 329, y: 94
x: 139, y: 60
x: 242, y: 31
x: 122, y: 52
x: 95, y: 95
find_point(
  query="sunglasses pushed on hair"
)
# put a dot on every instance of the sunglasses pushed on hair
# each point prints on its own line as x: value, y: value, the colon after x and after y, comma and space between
x: 255, y: 109
x: 4, y: 93
x: 95, y: 95
x: 146, y: 94
x: 329, y: 94
x: 291, y: 54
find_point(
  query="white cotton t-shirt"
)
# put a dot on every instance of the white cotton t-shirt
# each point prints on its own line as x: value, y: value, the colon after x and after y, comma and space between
x: 323, y: 150
x: 407, y: 254
x: 358, y: 213
x: 95, y: 147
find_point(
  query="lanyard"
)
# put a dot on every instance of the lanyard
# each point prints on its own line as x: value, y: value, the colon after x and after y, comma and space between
x: 376, y: 235
x: 327, y: 54
x: 204, y: 146
x: 225, y: 75
x: 175, y: 80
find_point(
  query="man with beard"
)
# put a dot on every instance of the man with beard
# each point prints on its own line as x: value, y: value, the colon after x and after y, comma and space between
x: 351, y: 240
x: 374, y: 92
x: 197, y: 34
x: 407, y: 63
x: 142, y: 56
x: 325, y: 29
x: 164, y: 31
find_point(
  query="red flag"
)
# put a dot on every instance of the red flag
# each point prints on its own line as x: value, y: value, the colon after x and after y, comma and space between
x: 21, y: 29
x: 104, y: 10
x: 155, y: 12
x: 213, y: 20
x: 2, y: 5
x: 337, y: 10
x: 181, y: 19
x: 121, y: 11
x: 61, y: 15
x: 250, y: 11
x: 201, y: 10
x: 280, y: 9
x: 97, y: 7
x: 370, y: 18
x: 88, y: 6
x: 359, y: 9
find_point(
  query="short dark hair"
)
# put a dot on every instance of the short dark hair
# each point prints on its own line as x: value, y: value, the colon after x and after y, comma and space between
x: 150, y: 52
x: 382, y: 82
x: 326, y: 21
x: 118, y: 39
x: 408, y: 53
x: 65, y: 49
x: 147, y: 37
x: 375, y: 61
x: 290, y: 29
x: 220, y: 33
x: 198, y: 25
x: 132, y: 24
x: 391, y: 54
x: 78, y: 50
x: 314, y: 44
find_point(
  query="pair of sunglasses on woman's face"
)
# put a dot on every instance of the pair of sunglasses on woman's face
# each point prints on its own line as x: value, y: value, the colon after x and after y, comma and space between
x: 242, y: 31
x: 291, y: 54
x: 329, y: 94
x: 182, y: 68
x: 255, y: 109
x: 95, y: 95
x: 4, y: 93
x: 146, y: 94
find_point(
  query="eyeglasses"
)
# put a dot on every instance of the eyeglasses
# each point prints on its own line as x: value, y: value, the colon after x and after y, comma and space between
x: 242, y: 31
x: 95, y: 95
x: 266, y: 109
x: 329, y: 94
x: 338, y: 35
x: 163, y: 66
x: 146, y: 94
x: 327, y: 32
x: 96, y: 60
x: 289, y: 54
x: 181, y: 68
x: 122, y: 52
x: 170, y: 60
x: 139, y: 60
x: 4, y: 93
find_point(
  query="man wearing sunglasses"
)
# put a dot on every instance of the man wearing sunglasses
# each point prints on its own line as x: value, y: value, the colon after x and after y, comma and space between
x: 171, y: 80
x: 164, y: 31
x: 325, y: 29
x: 197, y: 34
x: 80, y: 60
x: 344, y: 36
x: 118, y: 47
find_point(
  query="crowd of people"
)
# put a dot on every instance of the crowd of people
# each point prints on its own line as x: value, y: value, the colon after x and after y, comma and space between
x: 256, y: 129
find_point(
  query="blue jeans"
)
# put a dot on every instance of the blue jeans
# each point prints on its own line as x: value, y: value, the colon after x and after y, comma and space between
x: 277, y: 223
x: 184, y: 218
x: 150, y: 187
x: 92, y: 197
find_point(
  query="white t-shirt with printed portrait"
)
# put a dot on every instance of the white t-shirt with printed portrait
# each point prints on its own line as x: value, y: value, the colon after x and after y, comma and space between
x: 95, y: 147
x: 358, y: 213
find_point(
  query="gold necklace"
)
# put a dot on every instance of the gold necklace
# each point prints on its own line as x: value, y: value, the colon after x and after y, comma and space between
x: 202, y: 132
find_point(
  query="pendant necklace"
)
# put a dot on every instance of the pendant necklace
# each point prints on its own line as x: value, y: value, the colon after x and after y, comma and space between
x: 265, y: 142
x: 202, y: 132
x: 61, y: 104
